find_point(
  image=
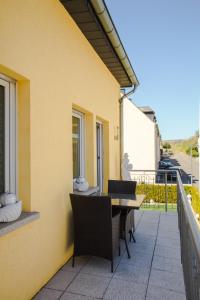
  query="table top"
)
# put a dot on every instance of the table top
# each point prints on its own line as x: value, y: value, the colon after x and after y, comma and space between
x: 128, y: 203
x: 125, y: 200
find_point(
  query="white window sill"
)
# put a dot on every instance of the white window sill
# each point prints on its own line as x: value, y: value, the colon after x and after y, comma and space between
x: 25, y: 218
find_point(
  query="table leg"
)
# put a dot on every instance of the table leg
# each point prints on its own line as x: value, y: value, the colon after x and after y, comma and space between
x: 126, y: 244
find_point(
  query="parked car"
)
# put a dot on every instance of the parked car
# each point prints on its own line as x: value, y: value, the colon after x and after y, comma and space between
x: 168, y: 161
x: 165, y: 164
x: 171, y: 176
x: 173, y: 172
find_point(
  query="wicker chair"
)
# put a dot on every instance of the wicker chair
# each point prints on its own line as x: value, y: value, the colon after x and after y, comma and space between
x: 96, y: 230
x: 122, y: 187
x: 125, y: 189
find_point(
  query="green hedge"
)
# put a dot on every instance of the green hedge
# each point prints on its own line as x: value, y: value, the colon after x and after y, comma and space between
x: 157, y: 194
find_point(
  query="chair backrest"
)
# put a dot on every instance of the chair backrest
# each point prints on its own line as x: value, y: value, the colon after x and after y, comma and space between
x: 122, y: 187
x: 92, y: 217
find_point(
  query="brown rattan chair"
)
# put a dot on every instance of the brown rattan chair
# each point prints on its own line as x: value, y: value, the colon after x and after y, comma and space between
x: 124, y: 189
x: 96, y: 230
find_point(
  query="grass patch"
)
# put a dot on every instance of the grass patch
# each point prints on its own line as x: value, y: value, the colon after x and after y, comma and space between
x: 159, y: 207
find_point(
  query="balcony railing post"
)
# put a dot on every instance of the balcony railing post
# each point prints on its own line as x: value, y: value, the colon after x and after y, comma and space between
x: 166, y: 192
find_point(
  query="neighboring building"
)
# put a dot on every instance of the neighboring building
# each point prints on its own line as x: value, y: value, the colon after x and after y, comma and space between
x: 148, y: 111
x: 141, y: 136
x: 61, y: 70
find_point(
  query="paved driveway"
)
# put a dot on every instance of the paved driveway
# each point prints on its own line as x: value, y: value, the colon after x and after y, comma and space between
x: 188, y: 167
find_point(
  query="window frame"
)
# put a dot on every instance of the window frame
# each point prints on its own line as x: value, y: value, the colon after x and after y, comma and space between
x: 10, y: 159
x: 80, y: 116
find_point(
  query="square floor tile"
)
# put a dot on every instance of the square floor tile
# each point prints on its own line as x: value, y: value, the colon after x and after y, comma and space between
x: 47, y: 294
x: 61, y: 280
x: 70, y: 296
x: 99, y: 267
x: 167, y: 264
x: 138, y: 259
x: 169, y: 252
x: 167, y: 280
x: 80, y: 261
x: 89, y: 285
x: 141, y: 236
x: 163, y: 294
x: 131, y: 273
x: 166, y: 242
x: 168, y: 234
x: 124, y: 290
x: 145, y: 230
x: 143, y: 247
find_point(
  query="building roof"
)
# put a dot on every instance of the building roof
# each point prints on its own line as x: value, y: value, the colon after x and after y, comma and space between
x: 94, y: 20
x: 149, y: 112
x: 146, y: 109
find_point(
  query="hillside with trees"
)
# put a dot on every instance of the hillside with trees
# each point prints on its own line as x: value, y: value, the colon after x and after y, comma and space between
x: 185, y: 146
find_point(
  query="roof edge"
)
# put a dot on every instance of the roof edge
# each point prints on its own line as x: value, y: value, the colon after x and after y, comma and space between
x: 105, y: 19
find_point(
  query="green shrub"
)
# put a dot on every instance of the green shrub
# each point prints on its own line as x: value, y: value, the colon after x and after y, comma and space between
x: 195, y: 197
x: 195, y: 152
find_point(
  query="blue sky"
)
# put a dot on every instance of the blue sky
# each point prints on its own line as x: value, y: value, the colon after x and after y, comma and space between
x: 162, y: 40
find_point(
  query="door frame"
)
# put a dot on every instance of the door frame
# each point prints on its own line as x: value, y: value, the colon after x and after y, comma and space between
x: 10, y: 134
x: 99, y: 160
x: 80, y: 116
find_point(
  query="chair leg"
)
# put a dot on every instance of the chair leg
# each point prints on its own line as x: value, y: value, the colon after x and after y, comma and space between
x: 134, y: 240
x: 127, y: 250
x: 112, y: 265
x: 73, y: 261
x: 130, y: 235
x: 119, y: 250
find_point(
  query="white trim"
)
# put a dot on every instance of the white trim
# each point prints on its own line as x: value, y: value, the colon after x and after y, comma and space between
x: 12, y: 138
x: 5, y: 84
x: 80, y: 116
x: 8, y: 79
x: 99, y: 141
x: 10, y: 135
x: 16, y: 140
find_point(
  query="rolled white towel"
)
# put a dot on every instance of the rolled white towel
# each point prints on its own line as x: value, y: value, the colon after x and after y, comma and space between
x: 11, y: 212
x: 7, y: 199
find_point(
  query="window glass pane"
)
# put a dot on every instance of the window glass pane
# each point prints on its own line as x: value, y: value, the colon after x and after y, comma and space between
x: 2, y: 139
x: 76, y: 146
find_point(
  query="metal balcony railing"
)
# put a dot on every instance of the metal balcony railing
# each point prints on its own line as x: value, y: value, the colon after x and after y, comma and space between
x: 159, y: 186
x: 165, y: 190
x: 190, y: 243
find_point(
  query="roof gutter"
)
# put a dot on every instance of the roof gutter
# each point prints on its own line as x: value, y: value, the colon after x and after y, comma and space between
x: 103, y: 15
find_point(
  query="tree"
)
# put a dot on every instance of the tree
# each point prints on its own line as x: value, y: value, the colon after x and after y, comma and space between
x: 167, y: 146
x: 192, y: 150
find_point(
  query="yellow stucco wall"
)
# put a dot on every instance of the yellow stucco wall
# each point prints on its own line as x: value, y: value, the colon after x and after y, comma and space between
x: 56, y: 69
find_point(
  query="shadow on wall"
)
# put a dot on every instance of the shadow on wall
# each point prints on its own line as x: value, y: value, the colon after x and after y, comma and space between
x: 126, y: 167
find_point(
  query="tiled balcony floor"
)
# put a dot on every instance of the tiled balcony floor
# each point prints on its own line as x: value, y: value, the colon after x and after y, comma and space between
x: 154, y: 271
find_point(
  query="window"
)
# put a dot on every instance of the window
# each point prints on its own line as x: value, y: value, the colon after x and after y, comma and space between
x: 78, y: 144
x: 7, y: 135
